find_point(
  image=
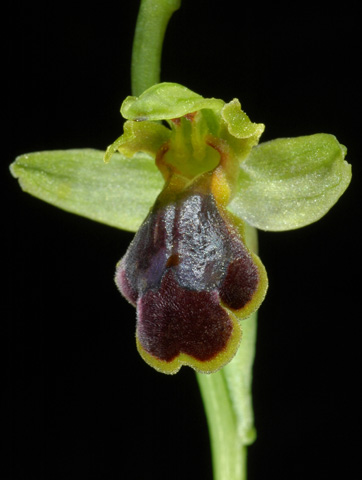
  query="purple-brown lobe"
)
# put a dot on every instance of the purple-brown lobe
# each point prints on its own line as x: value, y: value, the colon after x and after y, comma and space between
x: 240, y: 272
x: 185, y: 258
x: 173, y: 320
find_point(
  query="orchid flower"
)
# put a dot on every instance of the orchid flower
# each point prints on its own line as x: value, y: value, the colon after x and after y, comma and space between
x: 187, y: 174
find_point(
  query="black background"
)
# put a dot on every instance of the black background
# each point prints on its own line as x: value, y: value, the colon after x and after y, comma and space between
x: 80, y: 401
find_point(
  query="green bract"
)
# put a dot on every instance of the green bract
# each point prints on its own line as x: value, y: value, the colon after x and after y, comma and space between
x: 278, y: 185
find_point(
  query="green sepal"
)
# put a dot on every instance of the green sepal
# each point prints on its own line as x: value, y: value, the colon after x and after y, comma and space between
x: 165, y: 101
x: 288, y: 183
x: 137, y: 137
x: 119, y: 193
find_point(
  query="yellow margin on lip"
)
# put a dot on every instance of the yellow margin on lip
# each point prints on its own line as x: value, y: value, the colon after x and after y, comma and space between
x: 207, y: 366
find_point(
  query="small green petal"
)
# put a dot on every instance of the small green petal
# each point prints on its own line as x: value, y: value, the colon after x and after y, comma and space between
x: 166, y: 101
x: 238, y: 122
x: 291, y: 182
x: 119, y: 193
x: 144, y: 137
x: 238, y: 131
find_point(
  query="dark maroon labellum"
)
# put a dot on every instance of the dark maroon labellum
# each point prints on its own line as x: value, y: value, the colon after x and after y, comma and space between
x: 184, y: 265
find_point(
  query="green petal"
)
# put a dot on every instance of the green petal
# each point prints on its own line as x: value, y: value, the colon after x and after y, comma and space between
x: 165, y: 101
x: 144, y: 137
x: 291, y: 182
x: 119, y: 193
x: 239, y: 124
x: 238, y: 131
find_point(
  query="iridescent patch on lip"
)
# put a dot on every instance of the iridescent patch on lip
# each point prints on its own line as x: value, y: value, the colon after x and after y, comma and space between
x: 191, y: 277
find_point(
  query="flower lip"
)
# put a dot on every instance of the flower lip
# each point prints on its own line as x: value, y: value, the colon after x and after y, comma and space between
x: 189, y: 273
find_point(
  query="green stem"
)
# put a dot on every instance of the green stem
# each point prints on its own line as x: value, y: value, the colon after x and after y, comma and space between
x: 221, y: 424
x: 152, y: 21
x: 227, y: 399
x: 228, y: 454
